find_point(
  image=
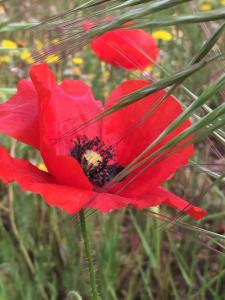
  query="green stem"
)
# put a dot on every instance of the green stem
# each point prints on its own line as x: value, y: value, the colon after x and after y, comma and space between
x: 95, y: 295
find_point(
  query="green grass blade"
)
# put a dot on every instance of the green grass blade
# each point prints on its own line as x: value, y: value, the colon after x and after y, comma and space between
x: 208, y: 45
x: 17, y: 26
x: 144, y: 242
x: 205, y: 96
x: 218, y: 113
x: 217, y: 14
x: 148, y: 8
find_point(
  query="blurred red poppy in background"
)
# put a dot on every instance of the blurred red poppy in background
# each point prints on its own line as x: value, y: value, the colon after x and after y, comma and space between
x: 132, y: 49
x: 81, y: 164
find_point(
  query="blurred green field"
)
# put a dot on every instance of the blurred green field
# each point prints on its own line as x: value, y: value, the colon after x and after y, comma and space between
x: 139, y: 255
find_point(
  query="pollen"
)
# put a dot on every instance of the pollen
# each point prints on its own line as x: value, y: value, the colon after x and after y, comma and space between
x: 97, y: 160
x: 93, y: 158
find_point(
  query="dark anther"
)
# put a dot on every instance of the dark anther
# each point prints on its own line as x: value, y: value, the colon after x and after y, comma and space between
x: 96, y: 160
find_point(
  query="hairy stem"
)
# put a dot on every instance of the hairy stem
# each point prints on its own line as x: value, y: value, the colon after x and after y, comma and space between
x: 95, y: 295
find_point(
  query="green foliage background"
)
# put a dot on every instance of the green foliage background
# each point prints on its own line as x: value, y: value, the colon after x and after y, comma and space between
x: 139, y: 255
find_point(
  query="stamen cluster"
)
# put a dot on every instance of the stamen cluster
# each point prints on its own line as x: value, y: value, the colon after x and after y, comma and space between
x: 96, y: 160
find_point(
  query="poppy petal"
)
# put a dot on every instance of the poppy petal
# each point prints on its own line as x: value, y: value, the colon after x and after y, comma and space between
x: 80, y: 92
x: 131, y: 132
x: 18, y: 116
x: 178, y: 203
x: 68, y: 199
x: 126, y: 48
x: 30, y: 178
x: 160, y: 196
x: 62, y: 110
x: 106, y: 202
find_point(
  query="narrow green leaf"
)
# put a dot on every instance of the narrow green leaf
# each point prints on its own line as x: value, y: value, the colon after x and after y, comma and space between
x: 213, y: 15
x: 8, y: 91
x: 12, y: 27
x: 206, y: 170
x: 144, y: 242
x: 205, y: 96
x: 208, y: 45
x: 152, y: 88
x: 208, y: 283
x: 218, y: 113
x: 218, y: 134
x: 151, y: 6
x: 181, y: 262
x: 148, y: 8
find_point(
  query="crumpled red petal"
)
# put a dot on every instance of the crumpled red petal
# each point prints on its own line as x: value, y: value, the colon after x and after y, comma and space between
x: 176, y: 202
x: 30, y: 178
x: 19, y: 115
x: 106, y: 202
x: 126, y: 48
x: 61, y: 110
x: 131, y: 133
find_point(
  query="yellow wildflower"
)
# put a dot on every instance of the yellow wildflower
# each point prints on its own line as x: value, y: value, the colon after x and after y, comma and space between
x: 55, y: 41
x: 52, y: 59
x: 5, y: 59
x: 39, y: 45
x: 205, y: 6
x: 149, y: 68
x: 78, y: 60
x: 162, y: 35
x: 26, y: 56
x: 222, y: 2
x: 8, y: 44
x: 42, y: 167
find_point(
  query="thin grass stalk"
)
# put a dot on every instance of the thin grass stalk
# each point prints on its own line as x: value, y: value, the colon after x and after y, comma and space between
x: 185, y: 115
x: 138, y: 96
x: 217, y: 14
x: 171, y: 222
x: 219, y: 113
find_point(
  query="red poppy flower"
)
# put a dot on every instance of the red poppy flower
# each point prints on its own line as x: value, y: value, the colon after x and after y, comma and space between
x: 125, y: 48
x: 82, y: 162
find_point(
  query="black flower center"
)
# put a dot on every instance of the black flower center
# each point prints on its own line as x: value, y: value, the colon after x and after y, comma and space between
x: 96, y: 160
